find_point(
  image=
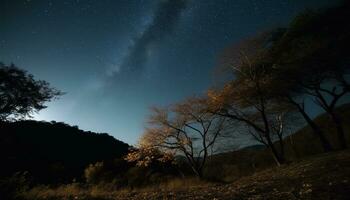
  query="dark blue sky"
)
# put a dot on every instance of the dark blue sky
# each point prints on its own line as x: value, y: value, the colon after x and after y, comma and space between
x: 115, y: 59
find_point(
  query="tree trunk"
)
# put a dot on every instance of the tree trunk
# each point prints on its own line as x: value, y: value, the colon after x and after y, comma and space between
x: 199, y: 173
x: 281, y: 142
x: 340, y: 130
x: 327, y: 147
x: 296, y: 152
x: 277, y: 157
x: 197, y: 170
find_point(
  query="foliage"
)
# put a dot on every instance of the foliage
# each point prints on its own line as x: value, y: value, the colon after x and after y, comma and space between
x: 187, y: 128
x: 21, y: 94
x: 14, y: 185
x: 310, y: 61
x: 108, y: 172
x: 93, y: 172
x: 248, y: 99
x: 276, y: 71
x: 145, y: 156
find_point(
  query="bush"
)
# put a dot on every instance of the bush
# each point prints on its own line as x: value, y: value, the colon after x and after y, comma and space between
x: 12, y: 187
x: 94, y: 173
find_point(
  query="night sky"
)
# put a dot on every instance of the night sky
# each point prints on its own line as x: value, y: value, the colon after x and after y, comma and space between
x: 116, y: 58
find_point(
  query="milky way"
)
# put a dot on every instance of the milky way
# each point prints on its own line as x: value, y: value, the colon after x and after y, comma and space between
x: 115, y: 59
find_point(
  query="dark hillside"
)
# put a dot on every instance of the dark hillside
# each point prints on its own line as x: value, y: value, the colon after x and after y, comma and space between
x: 53, y: 151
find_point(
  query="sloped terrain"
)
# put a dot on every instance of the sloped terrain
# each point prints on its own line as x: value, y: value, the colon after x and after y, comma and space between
x: 326, y: 176
x: 303, y: 143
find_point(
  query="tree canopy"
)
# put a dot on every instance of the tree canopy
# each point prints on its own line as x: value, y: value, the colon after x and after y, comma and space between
x: 186, y: 128
x: 20, y: 94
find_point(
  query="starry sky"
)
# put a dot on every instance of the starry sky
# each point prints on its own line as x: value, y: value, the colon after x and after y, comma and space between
x: 116, y: 58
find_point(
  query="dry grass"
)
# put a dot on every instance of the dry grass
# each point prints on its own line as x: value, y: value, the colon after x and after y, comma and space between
x: 179, y: 184
x: 108, y: 191
x: 71, y: 191
x: 326, y: 176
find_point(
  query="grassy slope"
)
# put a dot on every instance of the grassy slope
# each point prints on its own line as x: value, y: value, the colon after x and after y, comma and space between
x: 251, y: 173
x: 325, y: 176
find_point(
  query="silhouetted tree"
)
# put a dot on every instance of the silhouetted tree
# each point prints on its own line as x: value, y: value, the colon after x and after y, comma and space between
x: 20, y: 94
x: 311, y: 60
x: 187, y: 128
x: 248, y: 99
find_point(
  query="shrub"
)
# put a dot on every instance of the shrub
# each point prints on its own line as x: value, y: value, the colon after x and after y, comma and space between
x: 12, y: 187
x: 94, y: 172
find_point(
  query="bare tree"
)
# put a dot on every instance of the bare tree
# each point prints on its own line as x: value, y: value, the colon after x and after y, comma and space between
x: 263, y: 121
x: 248, y: 98
x: 186, y: 128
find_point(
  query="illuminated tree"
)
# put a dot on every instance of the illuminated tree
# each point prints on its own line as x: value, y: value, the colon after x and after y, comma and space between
x: 188, y: 129
x: 146, y: 155
x: 248, y: 98
x: 263, y: 119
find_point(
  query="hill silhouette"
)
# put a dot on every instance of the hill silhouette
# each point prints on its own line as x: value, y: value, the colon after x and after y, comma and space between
x: 53, y: 152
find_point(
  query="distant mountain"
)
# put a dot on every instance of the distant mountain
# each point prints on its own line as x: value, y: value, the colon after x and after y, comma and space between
x: 53, y: 151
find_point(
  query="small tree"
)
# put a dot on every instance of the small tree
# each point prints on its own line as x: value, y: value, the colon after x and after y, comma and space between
x: 186, y: 128
x: 20, y: 94
x: 94, y: 172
